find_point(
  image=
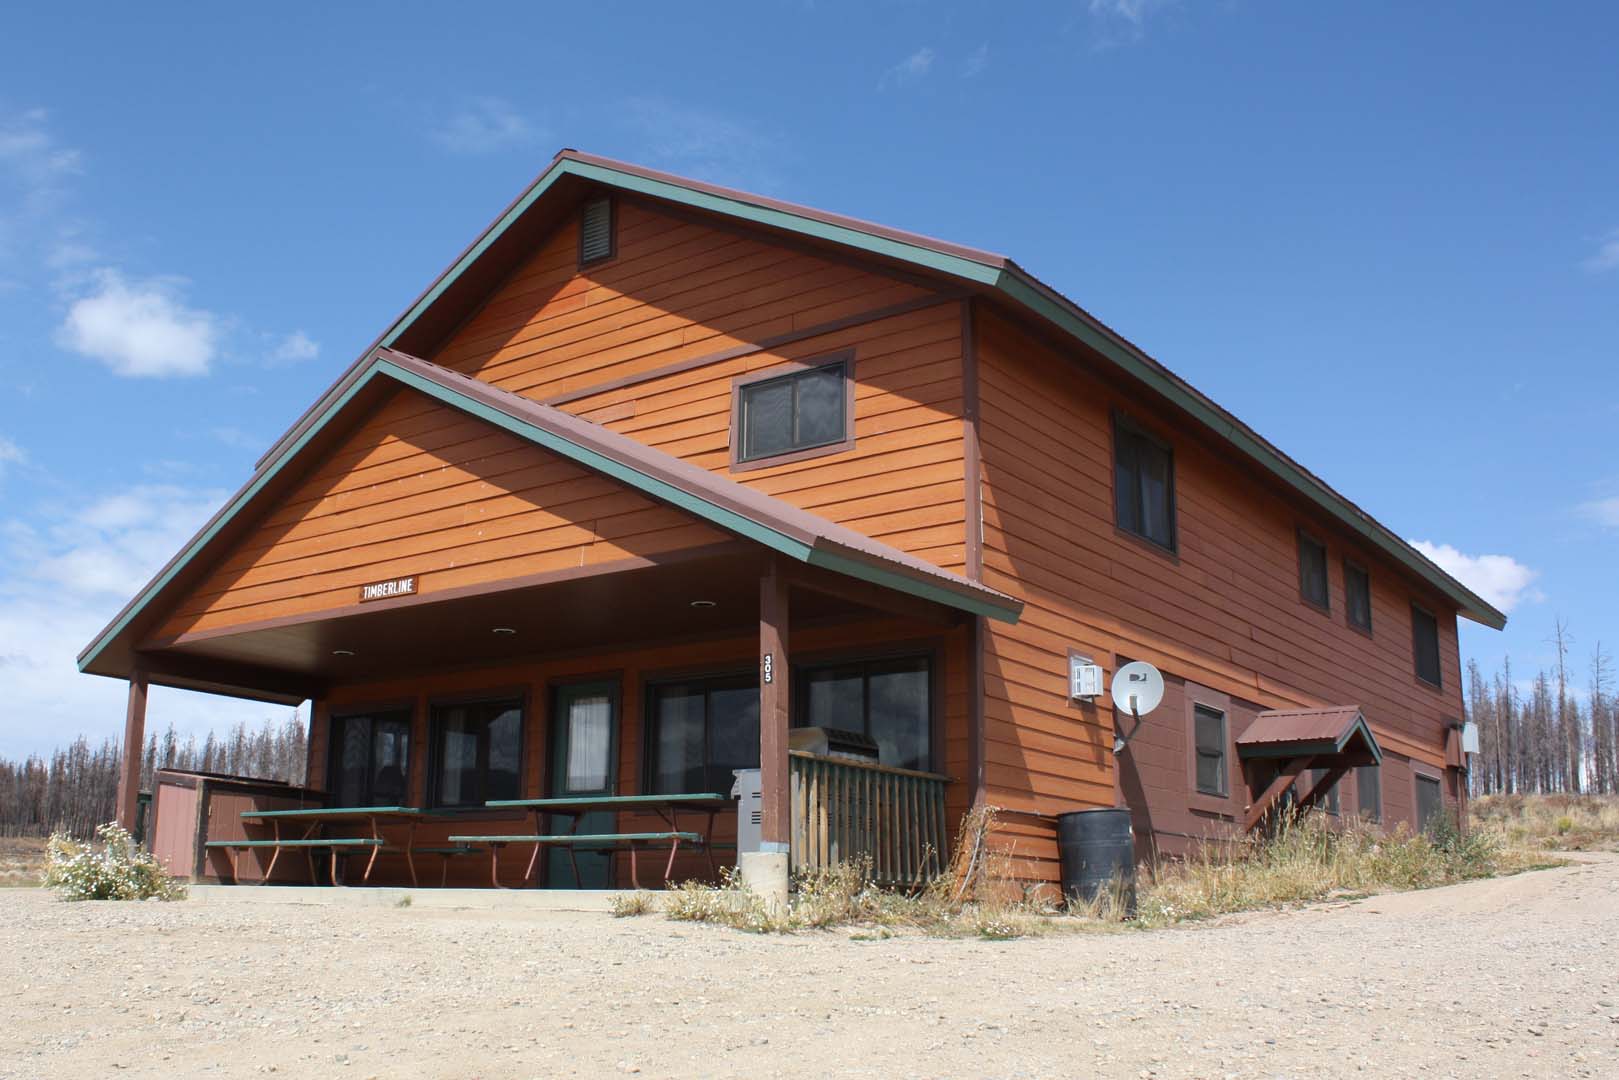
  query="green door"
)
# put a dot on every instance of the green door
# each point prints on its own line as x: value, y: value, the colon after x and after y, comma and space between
x: 584, y: 758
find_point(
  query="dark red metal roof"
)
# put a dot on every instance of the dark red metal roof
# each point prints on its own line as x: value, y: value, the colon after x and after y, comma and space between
x: 1334, y: 729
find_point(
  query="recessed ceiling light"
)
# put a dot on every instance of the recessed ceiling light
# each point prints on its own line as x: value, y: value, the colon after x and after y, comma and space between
x: 702, y: 603
x: 504, y: 630
x: 342, y: 652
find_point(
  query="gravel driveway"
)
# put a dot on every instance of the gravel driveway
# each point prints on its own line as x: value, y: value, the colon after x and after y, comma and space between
x: 1513, y: 977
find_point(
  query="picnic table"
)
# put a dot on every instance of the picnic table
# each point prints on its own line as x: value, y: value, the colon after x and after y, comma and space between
x: 303, y: 829
x: 667, y: 807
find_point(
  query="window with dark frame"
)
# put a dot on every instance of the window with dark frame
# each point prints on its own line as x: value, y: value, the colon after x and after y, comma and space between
x: 1313, y: 571
x: 801, y: 410
x: 1425, y: 645
x: 1369, y: 792
x: 1357, y: 596
x: 1208, y: 736
x: 1143, y: 484
x: 889, y: 700
x: 596, y: 239
x: 1329, y: 802
x: 476, y: 752
x: 1430, y: 802
x: 370, y: 759
x: 699, y: 730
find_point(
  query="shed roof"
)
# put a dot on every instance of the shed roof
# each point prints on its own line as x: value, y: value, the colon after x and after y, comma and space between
x: 739, y: 509
x: 461, y: 286
x: 1335, y: 729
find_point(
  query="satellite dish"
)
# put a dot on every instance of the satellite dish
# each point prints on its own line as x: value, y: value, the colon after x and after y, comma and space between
x: 1138, y: 688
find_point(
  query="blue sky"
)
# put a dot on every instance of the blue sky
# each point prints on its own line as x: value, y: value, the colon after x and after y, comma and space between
x: 1386, y: 235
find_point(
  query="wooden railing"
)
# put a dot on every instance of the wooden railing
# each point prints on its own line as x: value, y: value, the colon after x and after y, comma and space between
x: 845, y: 810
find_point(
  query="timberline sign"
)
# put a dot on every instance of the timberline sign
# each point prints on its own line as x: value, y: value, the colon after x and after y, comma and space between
x: 386, y: 590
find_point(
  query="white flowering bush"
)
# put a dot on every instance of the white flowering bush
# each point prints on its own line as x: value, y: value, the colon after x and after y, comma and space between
x: 113, y: 868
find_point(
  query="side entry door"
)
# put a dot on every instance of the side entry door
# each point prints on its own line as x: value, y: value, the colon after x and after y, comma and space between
x: 584, y: 761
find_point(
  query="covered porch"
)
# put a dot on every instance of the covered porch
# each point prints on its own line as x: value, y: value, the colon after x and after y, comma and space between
x: 576, y: 725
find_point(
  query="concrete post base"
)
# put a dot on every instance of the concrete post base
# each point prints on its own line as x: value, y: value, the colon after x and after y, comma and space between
x: 765, y: 874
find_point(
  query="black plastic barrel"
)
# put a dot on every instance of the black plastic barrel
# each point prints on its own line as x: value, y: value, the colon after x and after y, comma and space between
x: 1097, y: 849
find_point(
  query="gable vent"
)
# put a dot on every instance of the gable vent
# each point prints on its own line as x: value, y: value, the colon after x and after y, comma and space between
x: 596, y: 231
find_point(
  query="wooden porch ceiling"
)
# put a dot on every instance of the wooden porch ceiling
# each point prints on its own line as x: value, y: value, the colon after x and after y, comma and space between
x: 289, y: 660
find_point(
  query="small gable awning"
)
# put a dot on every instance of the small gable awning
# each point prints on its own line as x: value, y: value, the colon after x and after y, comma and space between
x: 1335, y: 735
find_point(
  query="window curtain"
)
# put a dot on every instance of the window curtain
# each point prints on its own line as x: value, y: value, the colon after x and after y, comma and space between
x: 589, y: 742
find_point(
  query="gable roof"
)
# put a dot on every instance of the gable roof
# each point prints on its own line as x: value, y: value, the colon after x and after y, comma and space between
x: 570, y: 173
x: 1309, y: 732
x: 737, y: 508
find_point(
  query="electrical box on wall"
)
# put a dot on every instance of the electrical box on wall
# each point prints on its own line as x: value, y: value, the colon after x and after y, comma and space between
x: 1084, y: 678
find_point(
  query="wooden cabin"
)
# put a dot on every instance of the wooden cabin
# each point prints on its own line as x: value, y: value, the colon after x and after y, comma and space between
x: 657, y: 472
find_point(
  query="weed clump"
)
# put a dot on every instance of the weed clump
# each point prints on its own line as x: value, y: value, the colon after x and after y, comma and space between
x: 119, y: 869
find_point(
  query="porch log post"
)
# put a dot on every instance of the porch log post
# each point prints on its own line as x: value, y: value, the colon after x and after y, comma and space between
x: 774, y: 701
x: 129, y: 772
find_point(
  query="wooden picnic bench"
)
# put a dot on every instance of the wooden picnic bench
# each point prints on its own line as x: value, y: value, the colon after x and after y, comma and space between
x: 668, y: 807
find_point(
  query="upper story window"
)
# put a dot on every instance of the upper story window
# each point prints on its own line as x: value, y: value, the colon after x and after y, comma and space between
x: 1425, y: 645
x: 1357, y: 596
x: 597, y: 238
x: 370, y: 759
x: 1313, y: 571
x: 795, y: 413
x: 1143, y: 484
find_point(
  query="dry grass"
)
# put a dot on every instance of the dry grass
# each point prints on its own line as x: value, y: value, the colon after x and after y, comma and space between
x: 1552, y: 822
x: 628, y: 905
x: 1307, y: 861
x: 22, y: 861
x: 982, y: 894
x: 986, y: 894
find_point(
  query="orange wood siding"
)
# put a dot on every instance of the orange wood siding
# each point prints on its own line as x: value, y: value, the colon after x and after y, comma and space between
x: 678, y: 291
x: 631, y: 670
x: 1224, y: 612
x: 421, y: 488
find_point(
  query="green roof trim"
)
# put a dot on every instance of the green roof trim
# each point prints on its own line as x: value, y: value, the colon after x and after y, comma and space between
x: 987, y: 271
x: 653, y: 486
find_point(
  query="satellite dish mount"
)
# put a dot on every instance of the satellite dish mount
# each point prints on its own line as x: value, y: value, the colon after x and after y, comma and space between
x: 1138, y: 689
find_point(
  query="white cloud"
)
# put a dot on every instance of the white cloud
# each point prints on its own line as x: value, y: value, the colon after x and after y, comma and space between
x: 294, y: 348
x: 485, y: 125
x: 140, y: 328
x: 1119, y: 21
x: 1500, y: 580
x: 35, y: 168
x: 10, y: 454
x: 61, y: 579
x: 909, y: 70
x: 976, y: 62
x: 238, y: 439
x: 1606, y: 256
x: 703, y: 143
x: 1604, y: 512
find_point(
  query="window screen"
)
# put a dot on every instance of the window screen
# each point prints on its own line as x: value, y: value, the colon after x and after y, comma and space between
x: 1430, y: 804
x: 1369, y: 792
x: 1143, y: 485
x: 889, y: 700
x: 1313, y: 570
x: 1329, y: 801
x: 1209, y: 734
x: 1425, y: 645
x: 1358, y: 596
x: 702, y: 730
x: 794, y: 412
x: 371, y: 759
x: 477, y: 752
